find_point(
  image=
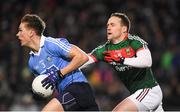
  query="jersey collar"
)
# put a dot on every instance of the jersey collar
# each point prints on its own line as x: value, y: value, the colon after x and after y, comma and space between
x: 41, y: 45
x: 42, y: 41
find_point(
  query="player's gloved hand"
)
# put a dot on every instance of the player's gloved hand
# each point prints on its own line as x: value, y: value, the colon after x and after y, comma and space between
x: 118, y: 55
x: 52, y: 79
x: 113, y: 55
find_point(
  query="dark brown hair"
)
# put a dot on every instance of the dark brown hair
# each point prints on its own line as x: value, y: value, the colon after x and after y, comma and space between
x: 124, y: 19
x: 35, y: 22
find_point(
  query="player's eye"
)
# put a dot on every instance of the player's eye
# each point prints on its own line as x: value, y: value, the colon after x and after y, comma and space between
x: 112, y: 24
x: 19, y: 29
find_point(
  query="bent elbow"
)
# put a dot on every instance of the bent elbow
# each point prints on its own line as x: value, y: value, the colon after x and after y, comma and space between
x: 84, y: 58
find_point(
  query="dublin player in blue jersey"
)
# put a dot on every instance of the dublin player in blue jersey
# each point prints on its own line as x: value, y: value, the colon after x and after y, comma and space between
x: 60, y: 60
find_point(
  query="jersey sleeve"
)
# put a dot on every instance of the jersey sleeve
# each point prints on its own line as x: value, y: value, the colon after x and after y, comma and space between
x: 58, y: 47
x: 97, y: 53
x: 137, y: 44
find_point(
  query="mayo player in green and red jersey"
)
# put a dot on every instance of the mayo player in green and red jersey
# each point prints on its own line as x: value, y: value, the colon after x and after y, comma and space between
x: 131, y: 58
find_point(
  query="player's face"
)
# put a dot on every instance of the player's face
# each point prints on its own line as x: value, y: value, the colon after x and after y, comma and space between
x: 114, y: 28
x: 24, y: 34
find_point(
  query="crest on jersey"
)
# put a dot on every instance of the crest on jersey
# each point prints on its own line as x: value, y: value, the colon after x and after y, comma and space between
x: 128, y: 51
x: 49, y: 59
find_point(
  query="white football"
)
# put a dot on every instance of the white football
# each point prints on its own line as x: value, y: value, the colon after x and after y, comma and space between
x: 37, y: 87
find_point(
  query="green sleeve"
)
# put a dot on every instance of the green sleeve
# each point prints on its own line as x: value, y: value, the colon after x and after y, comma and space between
x: 135, y: 44
x: 98, y: 53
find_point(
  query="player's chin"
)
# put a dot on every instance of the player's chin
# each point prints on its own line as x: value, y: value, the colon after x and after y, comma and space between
x: 109, y: 38
x: 23, y: 44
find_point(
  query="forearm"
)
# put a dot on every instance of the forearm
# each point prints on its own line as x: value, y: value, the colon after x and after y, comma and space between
x: 142, y: 60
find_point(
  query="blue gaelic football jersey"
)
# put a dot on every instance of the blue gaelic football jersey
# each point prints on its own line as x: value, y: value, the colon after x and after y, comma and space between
x: 53, y: 54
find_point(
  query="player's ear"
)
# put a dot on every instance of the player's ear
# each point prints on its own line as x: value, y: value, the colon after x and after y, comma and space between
x: 124, y: 28
x: 31, y: 33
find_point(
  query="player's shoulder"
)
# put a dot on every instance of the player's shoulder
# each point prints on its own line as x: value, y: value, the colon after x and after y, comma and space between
x: 51, y: 42
x: 135, y: 39
x: 136, y: 42
x: 57, y: 45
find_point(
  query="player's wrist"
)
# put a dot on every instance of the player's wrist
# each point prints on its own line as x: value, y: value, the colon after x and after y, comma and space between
x: 59, y: 73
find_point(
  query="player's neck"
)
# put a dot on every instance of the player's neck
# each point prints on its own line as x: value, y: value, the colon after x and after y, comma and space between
x: 35, y: 45
x: 120, y: 39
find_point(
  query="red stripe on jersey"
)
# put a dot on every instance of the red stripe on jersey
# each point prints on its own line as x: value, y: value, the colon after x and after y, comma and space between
x: 93, y: 57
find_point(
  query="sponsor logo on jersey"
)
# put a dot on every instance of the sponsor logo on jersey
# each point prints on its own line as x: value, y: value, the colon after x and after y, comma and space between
x: 122, y: 68
x: 119, y: 67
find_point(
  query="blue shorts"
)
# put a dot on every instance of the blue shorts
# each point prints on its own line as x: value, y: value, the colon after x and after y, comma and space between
x: 78, y: 96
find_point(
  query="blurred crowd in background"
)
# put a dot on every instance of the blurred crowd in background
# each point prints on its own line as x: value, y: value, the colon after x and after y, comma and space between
x: 83, y: 23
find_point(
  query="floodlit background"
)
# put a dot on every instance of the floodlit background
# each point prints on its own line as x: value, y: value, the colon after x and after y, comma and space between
x: 83, y: 22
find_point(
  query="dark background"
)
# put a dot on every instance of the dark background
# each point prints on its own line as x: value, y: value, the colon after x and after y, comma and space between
x: 83, y: 22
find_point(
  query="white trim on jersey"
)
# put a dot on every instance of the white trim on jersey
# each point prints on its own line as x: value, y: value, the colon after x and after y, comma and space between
x: 41, y: 44
x: 42, y: 40
x: 142, y: 60
x: 60, y: 44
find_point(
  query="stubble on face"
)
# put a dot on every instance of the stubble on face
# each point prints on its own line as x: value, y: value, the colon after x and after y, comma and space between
x: 114, y: 28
